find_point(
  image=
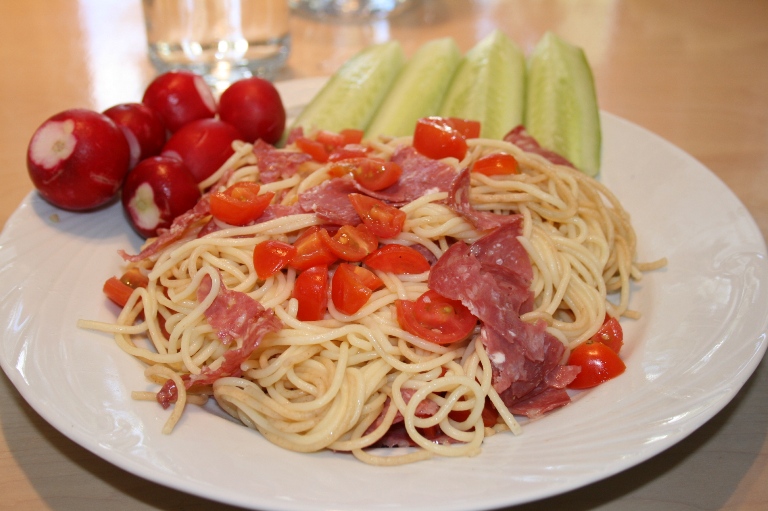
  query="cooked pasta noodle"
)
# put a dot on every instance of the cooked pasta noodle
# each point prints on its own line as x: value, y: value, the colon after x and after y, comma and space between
x: 341, y: 382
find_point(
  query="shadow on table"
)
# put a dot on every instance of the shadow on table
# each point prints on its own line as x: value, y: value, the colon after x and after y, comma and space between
x: 100, y: 484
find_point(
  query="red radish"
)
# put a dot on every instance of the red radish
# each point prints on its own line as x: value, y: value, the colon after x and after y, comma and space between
x: 143, y: 128
x: 180, y: 97
x: 156, y: 191
x: 204, y: 145
x: 254, y: 107
x: 78, y: 159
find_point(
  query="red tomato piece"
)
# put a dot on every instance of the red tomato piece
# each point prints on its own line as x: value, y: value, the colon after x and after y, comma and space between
x: 348, y: 152
x: 370, y: 279
x: 497, y: 164
x: 271, y: 256
x: 315, y: 149
x: 490, y: 415
x: 384, y: 220
x: 610, y: 333
x: 330, y: 139
x: 372, y: 173
x: 436, y: 138
x: 398, y: 259
x: 240, y: 204
x: 435, y: 318
x: 351, y: 243
x: 119, y: 290
x: 311, y: 250
x: 467, y: 127
x: 348, y: 291
x: 311, y: 291
x: 598, y: 363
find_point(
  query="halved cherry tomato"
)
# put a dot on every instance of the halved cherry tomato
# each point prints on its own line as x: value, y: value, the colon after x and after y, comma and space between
x: 435, y: 318
x: 372, y: 173
x: 311, y: 250
x: 348, y: 152
x: 351, y: 243
x: 496, y: 164
x: 598, y: 363
x: 610, y: 333
x: 311, y: 291
x: 397, y: 259
x: 271, y: 256
x: 370, y: 279
x: 384, y: 220
x: 119, y: 290
x: 348, y: 291
x: 240, y: 204
x: 467, y: 127
x: 315, y: 149
x: 436, y: 138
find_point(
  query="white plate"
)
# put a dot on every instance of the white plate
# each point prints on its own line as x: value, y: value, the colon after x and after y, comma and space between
x: 701, y: 336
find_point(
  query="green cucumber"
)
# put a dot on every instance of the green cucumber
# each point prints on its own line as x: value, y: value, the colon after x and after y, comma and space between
x: 561, y: 104
x: 352, y: 94
x: 489, y: 86
x: 419, y: 89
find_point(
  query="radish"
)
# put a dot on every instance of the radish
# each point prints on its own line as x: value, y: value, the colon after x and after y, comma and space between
x: 203, y: 145
x: 156, y: 191
x: 180, y: 97
x: 254, y: 107
x: 77, y: 159
x: 142, y: 127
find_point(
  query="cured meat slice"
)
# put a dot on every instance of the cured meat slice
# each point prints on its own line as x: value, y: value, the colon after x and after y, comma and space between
x: 492, y: 279
x: 330, y: 201
x: 522, y: 139
x: 458, y: 200
x: 275, y: 164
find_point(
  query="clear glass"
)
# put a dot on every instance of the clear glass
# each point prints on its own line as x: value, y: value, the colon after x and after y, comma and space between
x: 223, y: 40
x: 351, y: 10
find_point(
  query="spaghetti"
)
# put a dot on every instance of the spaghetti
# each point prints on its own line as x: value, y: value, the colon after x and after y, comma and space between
x: 343, y: 382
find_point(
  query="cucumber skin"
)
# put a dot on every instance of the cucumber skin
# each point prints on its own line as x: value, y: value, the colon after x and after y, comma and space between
x: 419, y: 89
x: 489, y: 86
x: 562, y: 113
x: 353, y: 94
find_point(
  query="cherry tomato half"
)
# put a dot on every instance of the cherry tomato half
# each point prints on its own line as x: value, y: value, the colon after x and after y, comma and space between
x: 311, y: 250
x: 351, y: 243
x: 271, y: 256
x: 372, y: 173
x: 598, y: 363
x: 437, y: 137
x: 311, y: 291
x: 496, y: 164
x: 384, y: 220
x: 240, y: 204
x: 397, y: 259
x: 435, y: 318
x: 610, y: 333
x: 348, y: 291
x: 119, y: 290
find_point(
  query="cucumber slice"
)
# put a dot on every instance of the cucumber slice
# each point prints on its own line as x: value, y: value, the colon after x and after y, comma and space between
x: 489, y: 86
x: 561, y: 105
x: 352, y: 95
x: 419, y: 89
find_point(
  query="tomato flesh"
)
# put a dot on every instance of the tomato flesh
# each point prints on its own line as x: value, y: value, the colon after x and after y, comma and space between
x: 311, y: 292
x: 271, y: 256
x: 384, y: 220
x: 598, y: 363
x: 368, y: 278
x: 437, y: 138
x: 119, y: 290
x: 240, y: 204
x: 435, y: 318
x: 372, y: 173
x: 497, y: 164
x: 398, y: 259
x: 348, y: 291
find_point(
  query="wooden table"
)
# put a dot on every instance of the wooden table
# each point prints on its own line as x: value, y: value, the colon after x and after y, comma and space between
x: 695, y: 72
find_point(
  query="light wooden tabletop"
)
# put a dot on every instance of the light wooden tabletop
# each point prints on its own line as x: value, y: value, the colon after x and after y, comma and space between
x: 695, y: 72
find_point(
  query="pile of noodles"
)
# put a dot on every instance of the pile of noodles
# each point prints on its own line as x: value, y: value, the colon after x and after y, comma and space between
x: 341, y: 382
